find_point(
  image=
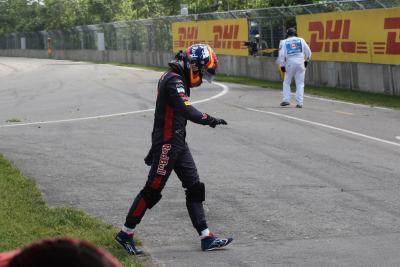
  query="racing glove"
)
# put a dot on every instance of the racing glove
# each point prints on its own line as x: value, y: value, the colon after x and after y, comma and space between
x: 148, y: 160
x: 283, y: 69
x: 215, y: 121
x: 306, y: 63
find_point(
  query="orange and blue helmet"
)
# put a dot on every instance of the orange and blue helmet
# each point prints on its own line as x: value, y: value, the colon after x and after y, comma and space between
x: 203, y: 63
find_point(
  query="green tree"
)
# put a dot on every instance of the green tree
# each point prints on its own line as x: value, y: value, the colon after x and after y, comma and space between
x: 290, y: 2
x: 35, y: 15
x: 170, y: 7
x: 21, y: 16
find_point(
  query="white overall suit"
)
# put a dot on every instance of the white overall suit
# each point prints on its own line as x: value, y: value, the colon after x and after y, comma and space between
x: 292, y: 55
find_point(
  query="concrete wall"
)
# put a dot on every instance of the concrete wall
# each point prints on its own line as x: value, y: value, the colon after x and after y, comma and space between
x: 384, y: 79
x: 23, y: 53
x: 373, y: 78
x: 376, y: 78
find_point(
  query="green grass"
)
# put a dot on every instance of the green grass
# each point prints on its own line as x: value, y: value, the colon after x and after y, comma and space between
x: 343, y: 94
x: 348, y: 95
x: 24, y: 218
x: 13, y: 120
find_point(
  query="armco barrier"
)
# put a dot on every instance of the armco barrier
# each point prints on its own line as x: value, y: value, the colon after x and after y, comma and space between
x: 377, y: 78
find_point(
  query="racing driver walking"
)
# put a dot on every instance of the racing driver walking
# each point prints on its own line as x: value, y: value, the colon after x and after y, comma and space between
x: 169, y: 150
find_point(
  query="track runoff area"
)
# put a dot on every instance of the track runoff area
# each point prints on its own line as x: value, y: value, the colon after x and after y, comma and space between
x: 298, y: 186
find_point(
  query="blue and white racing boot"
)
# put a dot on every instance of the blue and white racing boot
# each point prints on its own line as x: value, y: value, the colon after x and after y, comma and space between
x: 127, y: 242
x: 212, y: 242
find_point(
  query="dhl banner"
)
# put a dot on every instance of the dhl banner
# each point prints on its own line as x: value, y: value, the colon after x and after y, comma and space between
x: 371, y: 36
x: 227, y: 36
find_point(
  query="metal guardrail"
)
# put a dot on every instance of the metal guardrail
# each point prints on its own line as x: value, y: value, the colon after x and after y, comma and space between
x: 155, y: 34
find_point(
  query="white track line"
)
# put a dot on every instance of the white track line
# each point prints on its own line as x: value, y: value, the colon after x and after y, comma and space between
x: 326, y: 126
x: 223, y: 92
x: 344, y: 102
x: 77, y: 119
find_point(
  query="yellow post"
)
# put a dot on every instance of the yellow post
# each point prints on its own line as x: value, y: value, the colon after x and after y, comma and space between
x: 281, y: 73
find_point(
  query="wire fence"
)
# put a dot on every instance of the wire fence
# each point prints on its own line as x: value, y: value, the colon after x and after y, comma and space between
x: 155, y: 34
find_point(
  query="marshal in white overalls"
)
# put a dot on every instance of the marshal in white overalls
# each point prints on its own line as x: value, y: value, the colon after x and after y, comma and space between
x: 292, y: 55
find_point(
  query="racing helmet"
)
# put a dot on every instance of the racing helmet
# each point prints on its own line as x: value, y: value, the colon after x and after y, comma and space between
x: 202, y: 62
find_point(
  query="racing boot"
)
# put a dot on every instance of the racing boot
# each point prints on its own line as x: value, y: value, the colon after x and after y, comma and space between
x: 212, y: 242
x: 127, y: 242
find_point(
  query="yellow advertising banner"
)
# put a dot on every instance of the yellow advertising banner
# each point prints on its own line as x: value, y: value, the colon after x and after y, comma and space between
x: 226, y: 36
x: 371, y: 36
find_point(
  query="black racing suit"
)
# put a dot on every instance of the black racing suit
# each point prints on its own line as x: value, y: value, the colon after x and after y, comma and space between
x: 169, y: 151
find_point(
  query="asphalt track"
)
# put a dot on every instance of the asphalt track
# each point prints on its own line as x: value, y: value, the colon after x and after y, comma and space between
x: 317, y: 186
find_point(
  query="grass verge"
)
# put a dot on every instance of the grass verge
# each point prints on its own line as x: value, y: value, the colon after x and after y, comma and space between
x: 24, y: 218
x: 343, y: 94
x: 13, y: 120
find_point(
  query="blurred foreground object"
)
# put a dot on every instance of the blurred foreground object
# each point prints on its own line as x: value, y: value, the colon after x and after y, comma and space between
x: 60, y: 252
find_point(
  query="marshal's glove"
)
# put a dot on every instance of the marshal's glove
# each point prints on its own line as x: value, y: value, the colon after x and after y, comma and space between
x: 306, y: 63
x: 283, y: 69
x: 214, y: 121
